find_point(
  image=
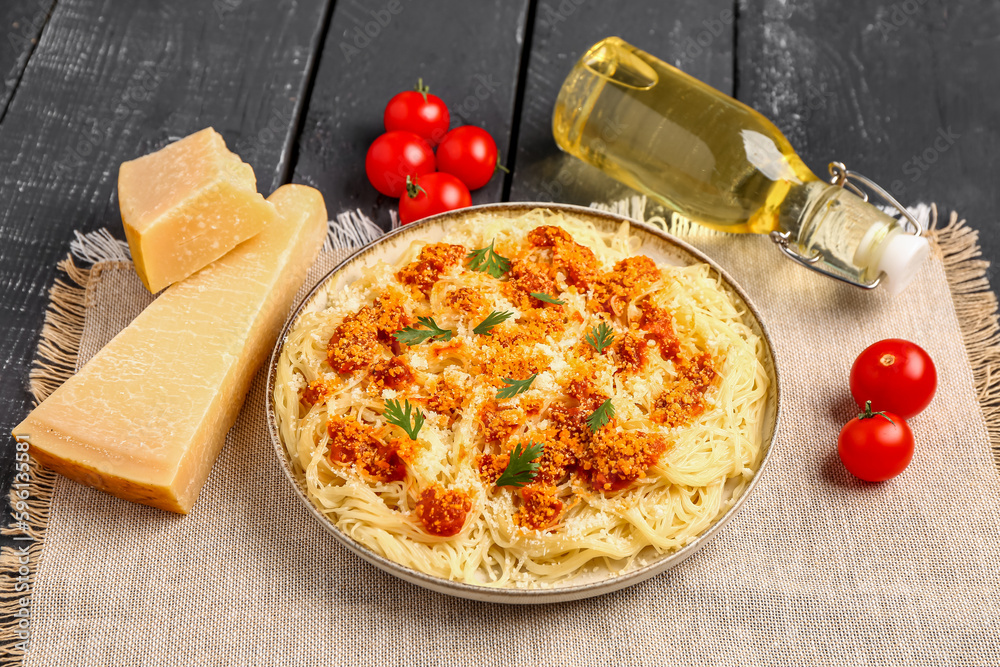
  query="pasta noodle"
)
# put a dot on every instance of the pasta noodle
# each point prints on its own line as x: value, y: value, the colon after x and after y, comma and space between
x: 682, y: 373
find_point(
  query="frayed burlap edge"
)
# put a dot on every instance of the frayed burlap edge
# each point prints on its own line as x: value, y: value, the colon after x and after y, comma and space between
x: 31, y: 494
x: 59, y: 346
x: 976, y: 308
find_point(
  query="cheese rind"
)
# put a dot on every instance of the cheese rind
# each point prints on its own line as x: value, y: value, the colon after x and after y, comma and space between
x: 186, y: 205
x: 145, y: 419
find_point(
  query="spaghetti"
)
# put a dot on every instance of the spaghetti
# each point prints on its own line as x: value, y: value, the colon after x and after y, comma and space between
x: 630, y: 394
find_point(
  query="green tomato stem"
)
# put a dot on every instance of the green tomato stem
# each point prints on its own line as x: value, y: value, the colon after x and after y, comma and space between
x: 868, y: 414
x: 421, y: 88
x: 412, y: 189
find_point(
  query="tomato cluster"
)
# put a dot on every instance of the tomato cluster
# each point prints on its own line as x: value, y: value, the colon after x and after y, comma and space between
x: 898, y: 379
x: 401, y: 163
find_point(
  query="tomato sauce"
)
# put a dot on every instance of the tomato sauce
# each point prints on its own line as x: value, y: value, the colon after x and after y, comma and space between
x: 684, y: 400
x: 434, y: 260
x: 540, y: 508
x: 629, y: 278
x: 577, y: 262
x: 441, y: 512
x: 658, y: 324
x: 392, y: 373
x: 616, y: 459
x: 352, y: 442
x: 316, y: 392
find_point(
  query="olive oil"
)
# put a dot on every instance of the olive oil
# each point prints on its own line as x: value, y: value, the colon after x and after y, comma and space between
x: 718, y: 162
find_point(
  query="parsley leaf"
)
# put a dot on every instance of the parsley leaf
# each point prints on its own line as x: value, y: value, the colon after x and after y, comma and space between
x: 601, y: 416
x: 414, y: 336
x: 600, y: 337
x: 493, y: 319
x: 396, y: 415
x: 515, y: 387
x: 541, y: 296
x: 487, y: 260
x: 523, y: 465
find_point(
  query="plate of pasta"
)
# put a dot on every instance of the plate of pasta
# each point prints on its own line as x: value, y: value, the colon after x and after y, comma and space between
x: 524, y: 403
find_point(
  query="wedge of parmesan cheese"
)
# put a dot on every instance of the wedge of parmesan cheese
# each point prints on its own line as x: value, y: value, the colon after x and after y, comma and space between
x: 145, y: 419
x: 186, y: 205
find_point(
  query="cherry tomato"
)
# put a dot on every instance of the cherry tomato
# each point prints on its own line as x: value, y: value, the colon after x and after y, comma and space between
x: 395, y: 156
x: 470, y: 153
x: 895, y: 375
x: 432, y: 194
x: 875, y: 446
x: 419, y: 112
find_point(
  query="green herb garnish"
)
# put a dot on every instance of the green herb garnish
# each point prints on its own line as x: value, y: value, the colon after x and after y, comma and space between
x: 601, y: 416
x: 541, y: 296
x: 414, y: 336
x: 397, y: 415
x: 600, y: 337
x: 487, y: 260
x: 523, y: 465
x: 493, y: 319
x: 515, y: 387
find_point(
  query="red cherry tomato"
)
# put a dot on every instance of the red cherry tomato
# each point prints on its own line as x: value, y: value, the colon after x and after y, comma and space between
x: 393, y: 157
x: 470, y: 153
x: 895, y: 375
x: 432, y: 194
x: 875, y: 446
x: 419, y: 112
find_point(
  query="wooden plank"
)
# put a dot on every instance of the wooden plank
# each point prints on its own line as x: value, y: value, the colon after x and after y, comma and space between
x: 22, y: 22
x: 907, y: 93
x: 111, y: 80
x: 467, y: 52
x: 695, y: 36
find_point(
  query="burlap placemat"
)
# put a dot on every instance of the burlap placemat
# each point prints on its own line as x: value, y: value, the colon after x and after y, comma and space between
x: 817, y: 569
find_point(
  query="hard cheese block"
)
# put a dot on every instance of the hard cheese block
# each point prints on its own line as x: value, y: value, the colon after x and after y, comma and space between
x: 146, y: 418
x: 186, y: 205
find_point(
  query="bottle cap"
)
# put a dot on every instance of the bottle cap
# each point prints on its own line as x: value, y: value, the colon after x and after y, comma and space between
x: 901, y: 259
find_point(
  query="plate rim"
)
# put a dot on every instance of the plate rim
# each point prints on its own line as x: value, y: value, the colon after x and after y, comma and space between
x: 522, y: 595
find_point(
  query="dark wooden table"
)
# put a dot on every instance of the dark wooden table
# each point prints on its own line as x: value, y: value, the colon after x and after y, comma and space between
x: 908, y: 93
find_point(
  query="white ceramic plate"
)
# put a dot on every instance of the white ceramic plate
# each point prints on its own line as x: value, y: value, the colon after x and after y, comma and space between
x: 658, y: 245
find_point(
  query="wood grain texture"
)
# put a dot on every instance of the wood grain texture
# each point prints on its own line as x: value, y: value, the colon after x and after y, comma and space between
x: 467, y: 52
x: 907, y: 93
x: 114, y: 79
x: 695, y: 36
x: 21, y: 23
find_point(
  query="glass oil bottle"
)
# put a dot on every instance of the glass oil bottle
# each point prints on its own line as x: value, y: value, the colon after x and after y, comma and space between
x: 718, y: 162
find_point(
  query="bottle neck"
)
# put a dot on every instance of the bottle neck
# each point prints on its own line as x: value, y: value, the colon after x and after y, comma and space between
x: 848, y: 233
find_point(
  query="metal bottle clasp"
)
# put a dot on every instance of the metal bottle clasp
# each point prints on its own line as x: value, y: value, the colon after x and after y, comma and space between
x: 841, y: 176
